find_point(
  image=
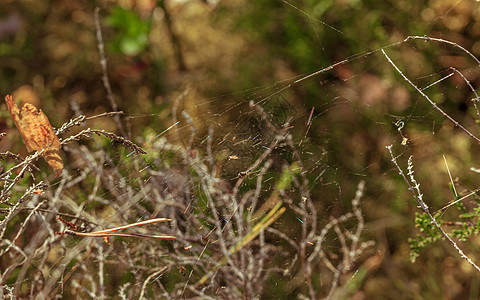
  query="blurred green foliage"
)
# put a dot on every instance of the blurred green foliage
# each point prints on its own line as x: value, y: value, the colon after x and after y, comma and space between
x: 132, y: 33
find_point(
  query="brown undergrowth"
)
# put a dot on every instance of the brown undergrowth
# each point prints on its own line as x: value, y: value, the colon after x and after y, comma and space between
x: 230, y: 241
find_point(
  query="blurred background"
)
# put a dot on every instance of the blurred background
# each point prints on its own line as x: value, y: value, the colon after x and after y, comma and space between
x: 223, y: 54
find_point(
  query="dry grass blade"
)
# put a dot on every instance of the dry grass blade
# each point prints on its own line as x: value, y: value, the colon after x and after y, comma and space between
x: 112, y: 231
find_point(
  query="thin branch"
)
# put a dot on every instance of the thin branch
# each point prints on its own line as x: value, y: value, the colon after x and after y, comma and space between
x: 415, y: 189
x: 477, y: 98
x: 103, y: 63
x: 435, y: 106
x: 154, y: 274
x: 428, y: 39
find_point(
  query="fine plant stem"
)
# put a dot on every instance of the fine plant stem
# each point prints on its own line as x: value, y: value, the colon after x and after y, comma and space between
x: 414, y: 188
x: 435, y: 106
x: 477, y: 98
x: 103, y: 63
x: 274, y: 214
x: 428, y: 39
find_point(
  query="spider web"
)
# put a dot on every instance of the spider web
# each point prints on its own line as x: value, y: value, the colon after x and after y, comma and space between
x: 233, y: 129
x: 231, y: 135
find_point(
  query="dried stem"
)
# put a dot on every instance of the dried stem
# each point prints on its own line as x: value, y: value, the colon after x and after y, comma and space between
x: 103, y: 63
x: 435, y: 106
x: 414, y: 187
